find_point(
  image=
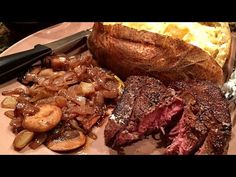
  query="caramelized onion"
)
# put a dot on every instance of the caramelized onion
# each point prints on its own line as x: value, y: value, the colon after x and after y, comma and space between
x: 77, y: 87
x: 59, y: 101
x: 16, y: 91
x: 59, y: 63
x: 110, y: 93
x: 82, y: 110
x: 99, y: 98
x: 16, y: 122
x: 24, y: 109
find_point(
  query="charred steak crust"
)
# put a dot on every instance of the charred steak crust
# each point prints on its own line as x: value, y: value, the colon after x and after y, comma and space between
x: 205, y: 126
x: 190, y: 135
x: 152, y: 106
x: 123, y: 110
x: 147, y: 105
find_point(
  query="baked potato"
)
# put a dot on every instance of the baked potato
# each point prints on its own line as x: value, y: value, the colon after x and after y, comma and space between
x: 129, y: 51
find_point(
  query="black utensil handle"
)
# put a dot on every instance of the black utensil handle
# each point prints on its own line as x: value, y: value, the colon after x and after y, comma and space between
x: 11, y: 65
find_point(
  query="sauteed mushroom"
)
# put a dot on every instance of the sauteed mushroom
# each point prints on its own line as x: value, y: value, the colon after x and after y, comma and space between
x: 22, y: 139
x: 44, y: 120
x: 67, y: 144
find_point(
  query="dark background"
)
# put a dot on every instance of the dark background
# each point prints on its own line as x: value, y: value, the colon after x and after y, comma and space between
x: 20, y: 30
x: 12, y: 32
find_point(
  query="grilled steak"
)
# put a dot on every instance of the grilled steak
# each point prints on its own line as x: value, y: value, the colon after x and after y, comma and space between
x: 145, y: 107
x: 123, y: 110
x: 193, y: 115
x: 205, y: 126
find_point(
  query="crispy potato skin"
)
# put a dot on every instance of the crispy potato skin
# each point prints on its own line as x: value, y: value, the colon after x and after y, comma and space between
x: 127, y: 51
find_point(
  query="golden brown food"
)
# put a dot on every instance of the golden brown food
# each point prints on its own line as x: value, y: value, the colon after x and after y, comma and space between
x: 22, y: 139
x: 47, y: 118
x: 66, y: 144
x: 9, y: 114
x: 212, y: 37
x: 62, y: 102
x: 9, y: 102
x: 38, y: 140
x: 127, y: 51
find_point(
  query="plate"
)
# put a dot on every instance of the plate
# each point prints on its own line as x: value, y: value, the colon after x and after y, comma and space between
x: 97, y: 147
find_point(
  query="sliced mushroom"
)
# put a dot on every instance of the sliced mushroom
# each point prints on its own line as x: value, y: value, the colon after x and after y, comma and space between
x: 75, y: 125
x: 10, y: 114
x: 9, y: 102
x: 38, y: 140
x: 64, y: 144
x: 44, y: 120
x: 22, y: 139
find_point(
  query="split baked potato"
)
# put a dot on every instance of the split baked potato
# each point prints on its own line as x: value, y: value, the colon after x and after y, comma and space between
x: 166, y: 53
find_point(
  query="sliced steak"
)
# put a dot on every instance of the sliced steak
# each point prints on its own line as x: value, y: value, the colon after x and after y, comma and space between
x: 193, y: 115
x: 191, y: 134
x: 123, y: 110
x: 205, y: 123
x: 216, y: 142
x: 152, y: 107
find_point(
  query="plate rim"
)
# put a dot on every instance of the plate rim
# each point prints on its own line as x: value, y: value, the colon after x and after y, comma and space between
x: 4, y: 53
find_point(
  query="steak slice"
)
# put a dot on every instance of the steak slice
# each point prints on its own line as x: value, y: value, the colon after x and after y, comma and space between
x: 152, y: 107
x: 205, y: 123
x: 193, y: 114
x: 216, y: 142
x: 124, y: 108
x: 191, y: 134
